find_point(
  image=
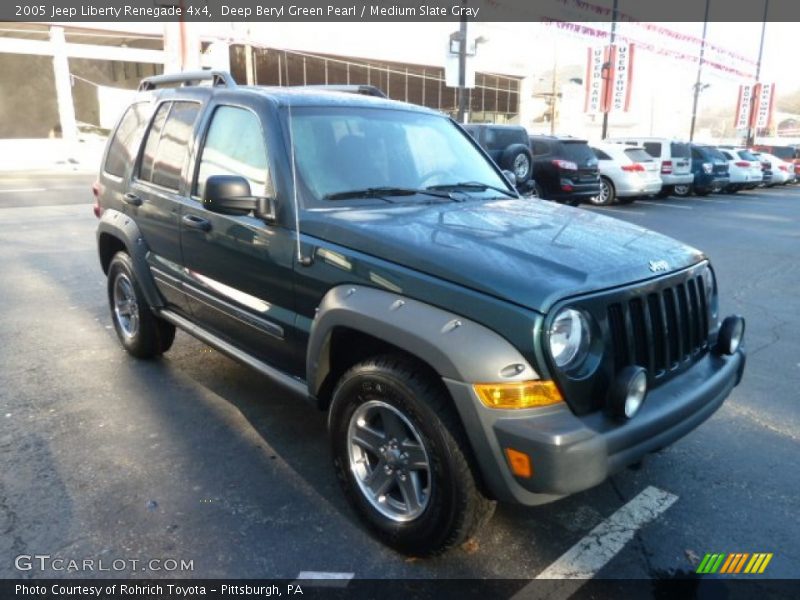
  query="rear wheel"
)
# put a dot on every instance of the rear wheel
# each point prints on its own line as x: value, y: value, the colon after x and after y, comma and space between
x: 666, y: 191
x: 402, y: 458
x: 682, y: 190
x: 608, y: 193
x: 140, y: 332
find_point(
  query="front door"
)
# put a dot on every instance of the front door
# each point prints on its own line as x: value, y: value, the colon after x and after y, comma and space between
x: 238, y: 276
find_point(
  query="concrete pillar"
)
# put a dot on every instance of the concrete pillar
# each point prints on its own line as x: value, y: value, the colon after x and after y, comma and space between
x: 528, y: 105
x: 66, y: 107
x: 249, y: 65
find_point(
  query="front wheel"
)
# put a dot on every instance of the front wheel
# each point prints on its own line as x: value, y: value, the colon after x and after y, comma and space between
x: 402, y: 458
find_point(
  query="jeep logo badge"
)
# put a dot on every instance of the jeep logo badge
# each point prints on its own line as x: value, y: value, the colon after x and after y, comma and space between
x: 657, y: 266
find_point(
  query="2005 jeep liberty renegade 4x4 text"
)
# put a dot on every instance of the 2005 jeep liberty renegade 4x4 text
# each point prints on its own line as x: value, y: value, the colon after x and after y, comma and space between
x: 470, y: 346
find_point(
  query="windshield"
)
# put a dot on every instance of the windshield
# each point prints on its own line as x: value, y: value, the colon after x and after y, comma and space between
x: 679, y: 150
x: 340, y: 150
x: 638, y: 155
x: 578, y: 152
x: 784, y: 152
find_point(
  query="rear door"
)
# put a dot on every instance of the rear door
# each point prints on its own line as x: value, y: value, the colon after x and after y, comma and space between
x: 239, y: 277
x: 580, y: 153
x: 648, y: 163
x: 681, y: 157
x: 156, y: 190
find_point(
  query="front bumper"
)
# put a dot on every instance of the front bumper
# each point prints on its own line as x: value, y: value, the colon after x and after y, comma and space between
x: 572, y: 453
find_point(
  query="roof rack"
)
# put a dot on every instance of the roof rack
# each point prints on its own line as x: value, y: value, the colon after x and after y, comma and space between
x: 365, y: 90
x: 186, y: 78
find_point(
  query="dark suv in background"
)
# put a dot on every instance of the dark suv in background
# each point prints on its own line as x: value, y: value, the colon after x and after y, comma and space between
x: 710, y: 169
x: 508, y: 147
x: 564, y: 169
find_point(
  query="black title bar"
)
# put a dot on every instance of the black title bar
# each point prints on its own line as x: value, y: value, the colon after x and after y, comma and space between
x: 394, y: 10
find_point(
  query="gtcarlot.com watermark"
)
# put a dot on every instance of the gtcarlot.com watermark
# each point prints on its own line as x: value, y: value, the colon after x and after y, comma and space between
x: 48, y: 563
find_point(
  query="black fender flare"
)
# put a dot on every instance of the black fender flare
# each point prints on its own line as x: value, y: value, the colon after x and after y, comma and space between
x: 455, y: 347
x: 121, y: 227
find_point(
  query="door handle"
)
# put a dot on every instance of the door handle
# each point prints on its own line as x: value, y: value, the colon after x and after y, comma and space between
x: 193, y: 222
x: 132, y: 199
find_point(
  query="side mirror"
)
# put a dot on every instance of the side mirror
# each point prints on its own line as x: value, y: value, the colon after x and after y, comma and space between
x: 230, y: 195
x: 510, y: 177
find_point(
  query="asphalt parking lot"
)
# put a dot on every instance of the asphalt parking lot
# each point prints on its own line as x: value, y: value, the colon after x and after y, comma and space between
x: 196, y: 458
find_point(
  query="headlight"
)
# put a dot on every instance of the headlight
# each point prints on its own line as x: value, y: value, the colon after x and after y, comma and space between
x: 710, y: 286
x: 569, y: 338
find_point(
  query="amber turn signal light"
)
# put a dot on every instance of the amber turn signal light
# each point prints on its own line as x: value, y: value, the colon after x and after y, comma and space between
x: 519, y: 462
x: 520, y: 394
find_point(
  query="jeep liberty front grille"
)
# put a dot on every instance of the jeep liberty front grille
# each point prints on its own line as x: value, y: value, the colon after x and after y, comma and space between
x: 662, y: 330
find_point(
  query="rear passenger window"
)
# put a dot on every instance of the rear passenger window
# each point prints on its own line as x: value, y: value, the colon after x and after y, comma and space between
x: 600, y: 154
x: 167, y: 143
x: 125, y: 143
x: 540, y: 148
x: 653, y: 149
x: 235, y: 146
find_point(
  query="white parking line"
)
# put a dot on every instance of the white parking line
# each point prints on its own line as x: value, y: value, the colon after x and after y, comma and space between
x: 324, y: 579
x: 599, y: 546
x: 702, y: 199
x: 664, y: 204
x: 22, y: 190
x: 619, y: 210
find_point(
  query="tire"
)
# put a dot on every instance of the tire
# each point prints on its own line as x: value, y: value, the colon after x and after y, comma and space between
x: 398, y: 398
x: 517, y: 159
x: 608, y: 193
x: 682, y: 190
x: 666, y: 191
x: 140, y: 332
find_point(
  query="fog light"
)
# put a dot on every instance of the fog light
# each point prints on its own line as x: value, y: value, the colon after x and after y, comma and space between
x: 628, y: 392
x: 731, y: 333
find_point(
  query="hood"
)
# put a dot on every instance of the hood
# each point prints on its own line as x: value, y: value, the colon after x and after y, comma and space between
x: 529, y: 252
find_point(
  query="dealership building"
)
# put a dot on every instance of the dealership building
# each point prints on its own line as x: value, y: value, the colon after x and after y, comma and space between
x: 62, y: 80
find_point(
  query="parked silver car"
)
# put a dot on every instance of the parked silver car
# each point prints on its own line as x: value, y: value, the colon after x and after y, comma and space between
x: 625, y: 173
x: 674, y: 158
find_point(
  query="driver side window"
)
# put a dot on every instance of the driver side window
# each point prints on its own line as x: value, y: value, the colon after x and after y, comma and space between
x: 235, y: 145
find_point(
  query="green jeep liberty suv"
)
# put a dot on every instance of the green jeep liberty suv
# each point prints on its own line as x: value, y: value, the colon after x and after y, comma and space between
x: 469, y: 346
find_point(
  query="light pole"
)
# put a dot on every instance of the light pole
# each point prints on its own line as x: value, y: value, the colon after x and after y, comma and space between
x: 462, y: 65
x: 697, y: 85
x: 751, y: 134
x: 607, y: 68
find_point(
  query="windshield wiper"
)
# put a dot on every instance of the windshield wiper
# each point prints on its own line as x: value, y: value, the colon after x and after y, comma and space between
x: 381, y: 192
x: 471, y: 185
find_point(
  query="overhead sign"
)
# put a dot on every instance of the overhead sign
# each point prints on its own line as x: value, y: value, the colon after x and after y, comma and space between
x: 609, y: 78
x: 744, y: 105
x: 596, y: 84
x: 621, y: 77
x: 765, y: 99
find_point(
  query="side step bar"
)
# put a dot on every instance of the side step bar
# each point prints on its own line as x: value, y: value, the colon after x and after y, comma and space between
x: 294, y: 384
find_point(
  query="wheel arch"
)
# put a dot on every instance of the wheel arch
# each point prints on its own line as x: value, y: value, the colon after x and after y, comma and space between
x: 117, y: 232
x: 354, y: 322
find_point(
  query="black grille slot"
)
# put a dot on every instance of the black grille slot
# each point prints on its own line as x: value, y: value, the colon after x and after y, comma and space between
x: 660, y: 331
